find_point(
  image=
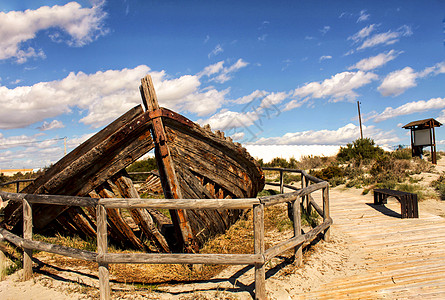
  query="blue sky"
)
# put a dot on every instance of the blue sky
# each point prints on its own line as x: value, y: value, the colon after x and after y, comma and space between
x: 265, y: 72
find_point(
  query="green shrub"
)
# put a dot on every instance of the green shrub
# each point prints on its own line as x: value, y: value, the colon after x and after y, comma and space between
x: 267, y: 192
x: 441, y: 189
x: 402, y: 153
x: 439, y: 186
x: 328, y: 172
x: 335, y: 181
x: 288, y: 178
x: 145, y: 165
x: 360, y: 149
x: 390, y: 184
x: 278, y: 162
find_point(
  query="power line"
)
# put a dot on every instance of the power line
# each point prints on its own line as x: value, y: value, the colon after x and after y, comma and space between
x: 33, y: 142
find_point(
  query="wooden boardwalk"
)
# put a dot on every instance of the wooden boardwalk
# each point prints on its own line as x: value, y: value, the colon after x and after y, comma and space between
x: 406, y: 256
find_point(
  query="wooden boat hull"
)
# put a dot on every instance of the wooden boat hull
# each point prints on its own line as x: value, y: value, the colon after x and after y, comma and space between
x: 193, y: 162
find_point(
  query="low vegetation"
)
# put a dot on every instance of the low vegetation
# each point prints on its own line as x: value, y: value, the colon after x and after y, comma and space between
x: 362, y: 164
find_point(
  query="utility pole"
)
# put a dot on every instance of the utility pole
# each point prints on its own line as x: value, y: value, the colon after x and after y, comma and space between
x: 360, y: 120
x: 64, y: 144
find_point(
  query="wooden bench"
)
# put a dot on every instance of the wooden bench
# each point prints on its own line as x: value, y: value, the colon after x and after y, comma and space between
x: 408, y: 201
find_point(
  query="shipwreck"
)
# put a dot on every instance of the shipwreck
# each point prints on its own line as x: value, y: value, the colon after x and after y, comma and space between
x: 193, y: 163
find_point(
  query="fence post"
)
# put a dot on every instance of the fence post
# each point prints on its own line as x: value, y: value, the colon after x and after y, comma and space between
x: 306, y: 197
x: 326, y: 213
x: 258, y: 234
x: 297, y: 231
x: 18, y: 186
x: 281, y: 182
x: 27, y: 234
x: 102, y: 245
x: 2, y: 260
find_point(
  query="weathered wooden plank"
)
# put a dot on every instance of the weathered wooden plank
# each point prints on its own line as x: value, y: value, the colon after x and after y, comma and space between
x: 284, y: 185
x: 27, y: 235
x: 177, y: 258
x: 295, y: 241
x: 205, y: 223
x: 81, y: 221
x: 180, y: 203
x: 3, y: 266
x: 116, y: 220
x: 51, y: 248
x: 217, y: 145
x: 50, y: 199
x: 140, y: 216
x: 314, y: 204
x: 167, y: 168
x: 326, y: 212
x: 259, y: 246
x: 297, y: 231
x: 221, y: 163
x: 277, y: 199
x: 102, y: 249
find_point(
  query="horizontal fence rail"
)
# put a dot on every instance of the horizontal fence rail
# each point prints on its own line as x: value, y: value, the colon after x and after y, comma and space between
x: 259, y: 258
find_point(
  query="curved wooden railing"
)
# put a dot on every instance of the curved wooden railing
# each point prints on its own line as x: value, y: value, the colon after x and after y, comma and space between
x: 103, y: 258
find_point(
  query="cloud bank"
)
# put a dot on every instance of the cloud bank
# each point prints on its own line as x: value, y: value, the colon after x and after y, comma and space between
x: 78, y: 26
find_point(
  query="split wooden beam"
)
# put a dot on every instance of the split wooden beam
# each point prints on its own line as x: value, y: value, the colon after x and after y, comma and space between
x: 142, y: 216
x: 166, y: 168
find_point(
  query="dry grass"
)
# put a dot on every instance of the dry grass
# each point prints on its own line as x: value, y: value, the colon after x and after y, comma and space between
x: 237, y: 240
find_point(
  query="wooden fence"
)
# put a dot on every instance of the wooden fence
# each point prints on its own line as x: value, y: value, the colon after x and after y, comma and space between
x: 17, y: 183
x: 298, y: 198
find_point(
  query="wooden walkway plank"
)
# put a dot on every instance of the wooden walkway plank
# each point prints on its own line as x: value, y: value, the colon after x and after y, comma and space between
x: 405, y: 257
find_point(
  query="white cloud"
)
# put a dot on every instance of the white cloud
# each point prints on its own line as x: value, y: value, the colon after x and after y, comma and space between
x: 410, y: 108
x: 252, y: 96
x: 324, y: 57
x: 397, y: 82
x: 386, y: 38
x: 441, y: 117
x: 54, y: 124
x: 262, y: 38
x: 325, y: 29
x: 273, y: 99
x: 83, y: 25
x: 29, y: 151
x: 295, y: 104
x: 238, y: 136
x: 437, y: 69
x: 339, y: 87
x: 363, y: 33
x: 341, y: 136
x: 103, y: 96
x: 226, y: 73
x: 212, y: 69
x: 217, y: 50
x: 76, y: 141
x: 226, y: 120
x: 203, y: 103
x: 374, y: 62
x: 363, y: 16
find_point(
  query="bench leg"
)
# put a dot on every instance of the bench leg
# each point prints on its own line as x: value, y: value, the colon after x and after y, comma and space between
x: 415, y: 206
x: 380, y: 198
x: 403, y: 204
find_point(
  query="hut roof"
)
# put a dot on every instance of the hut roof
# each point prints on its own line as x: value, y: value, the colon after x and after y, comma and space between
x: 427, y: 123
